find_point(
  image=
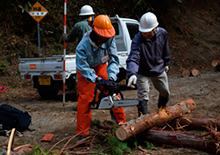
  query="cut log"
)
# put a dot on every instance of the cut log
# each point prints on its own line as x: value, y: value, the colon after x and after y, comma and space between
x: 216, y: 64
x: 148, y: 121
x: 185, y: 73
x: 196, y: 123
x: 194, y: 72
x: 182, y: 140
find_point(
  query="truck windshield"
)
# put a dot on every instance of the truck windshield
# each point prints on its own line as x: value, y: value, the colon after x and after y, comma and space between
x: 133, y: 29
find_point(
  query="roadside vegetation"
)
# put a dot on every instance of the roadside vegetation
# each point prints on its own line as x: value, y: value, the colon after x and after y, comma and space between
x: 19, y: 37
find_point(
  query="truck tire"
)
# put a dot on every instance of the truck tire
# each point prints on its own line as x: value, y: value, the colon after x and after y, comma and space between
x: 47, y: 94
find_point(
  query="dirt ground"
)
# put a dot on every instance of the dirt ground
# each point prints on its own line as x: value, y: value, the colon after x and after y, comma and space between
x: 50, y: 116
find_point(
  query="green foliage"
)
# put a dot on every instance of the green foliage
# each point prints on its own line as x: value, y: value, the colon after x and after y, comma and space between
x: 37, y: 150
x: 19, y: 35
x: 94, y: 123
x: 150, y: 146
x: 4, y: 66
x: 113, y: 128
x: 117, y: 147
x: 136, y: 144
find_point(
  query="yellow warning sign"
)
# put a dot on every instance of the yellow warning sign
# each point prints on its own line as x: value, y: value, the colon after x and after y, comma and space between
x: 38, y: 12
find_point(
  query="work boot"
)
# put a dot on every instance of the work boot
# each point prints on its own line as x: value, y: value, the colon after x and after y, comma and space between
x: 163, y: 101
x: 74, y: 108
x: 142, y: 108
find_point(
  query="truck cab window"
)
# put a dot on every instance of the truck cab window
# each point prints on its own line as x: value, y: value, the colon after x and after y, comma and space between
x: 132, y: 29
x: 115, y: 25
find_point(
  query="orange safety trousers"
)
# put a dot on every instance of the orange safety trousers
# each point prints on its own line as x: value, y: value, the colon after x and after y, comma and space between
x: 86, y: 95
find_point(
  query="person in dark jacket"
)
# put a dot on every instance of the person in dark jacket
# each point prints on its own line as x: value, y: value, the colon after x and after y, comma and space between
x: 149, y: 59
x: 81, y: 27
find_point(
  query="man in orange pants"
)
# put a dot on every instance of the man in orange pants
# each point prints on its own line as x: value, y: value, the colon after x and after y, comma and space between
x: 97, y: 62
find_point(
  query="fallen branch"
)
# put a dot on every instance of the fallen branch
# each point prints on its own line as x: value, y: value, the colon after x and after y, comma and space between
x: 204, y: 143
x: 11, y: 141
x: 162, y: 116
x: 144, y: 150
x: 196, y: 123
x: 78, y: 152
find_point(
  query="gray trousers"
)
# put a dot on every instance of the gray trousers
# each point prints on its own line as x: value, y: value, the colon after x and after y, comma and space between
x: 160, y: 83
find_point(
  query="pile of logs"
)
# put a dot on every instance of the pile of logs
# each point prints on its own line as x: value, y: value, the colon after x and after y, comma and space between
x: 148, y: 127
x: 190, y: 72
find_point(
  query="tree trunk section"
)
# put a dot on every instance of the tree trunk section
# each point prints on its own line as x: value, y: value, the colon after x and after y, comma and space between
x: 185, y: 73
x: 159, y: 117
x: 178, y: 139
x: 196, y: 123
x: 216, y: 64
x: 194, y: 72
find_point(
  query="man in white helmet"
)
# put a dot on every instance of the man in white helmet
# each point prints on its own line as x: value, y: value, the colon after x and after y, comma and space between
x: 149, y: 59
x: 81, y: 27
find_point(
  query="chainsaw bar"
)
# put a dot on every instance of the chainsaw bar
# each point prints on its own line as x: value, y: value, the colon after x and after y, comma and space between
x: 108, y: 103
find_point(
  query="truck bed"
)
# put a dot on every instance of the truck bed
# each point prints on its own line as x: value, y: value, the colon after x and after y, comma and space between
x: 47, y: 66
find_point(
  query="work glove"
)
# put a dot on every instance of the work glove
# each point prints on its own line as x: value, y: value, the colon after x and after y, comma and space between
x: 132, y: 79
x: 166, y: 68
x: 101, y: 81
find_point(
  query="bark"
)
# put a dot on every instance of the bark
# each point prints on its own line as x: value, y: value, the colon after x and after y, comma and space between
x: 185, y: 73
x: 196, y: 123
x: 159, y: 117
x: 194, y: 72
x: 204, y: 143
x: 216, y: 64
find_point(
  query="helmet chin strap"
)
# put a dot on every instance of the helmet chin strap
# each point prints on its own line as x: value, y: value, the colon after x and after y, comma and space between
x: 154, y: 31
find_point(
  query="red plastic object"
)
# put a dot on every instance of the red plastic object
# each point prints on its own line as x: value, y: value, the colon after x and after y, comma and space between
x: 2, y: 89
x: 47, y: 137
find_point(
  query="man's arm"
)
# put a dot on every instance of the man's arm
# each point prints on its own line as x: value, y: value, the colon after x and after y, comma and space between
x: 133, y: 60
x: 82, y: 64
x: 166, y: 53
x: 71, y: 37
x: 113, y: 63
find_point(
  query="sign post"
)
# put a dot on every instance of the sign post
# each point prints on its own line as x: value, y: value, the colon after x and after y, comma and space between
x: 64, y: 55
x: 38, y: 12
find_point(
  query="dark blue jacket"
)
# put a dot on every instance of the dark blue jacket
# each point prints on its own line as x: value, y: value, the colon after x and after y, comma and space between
x: 149, y: 57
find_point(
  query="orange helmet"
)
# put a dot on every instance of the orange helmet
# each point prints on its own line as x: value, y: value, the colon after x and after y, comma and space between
x: 102, y: 26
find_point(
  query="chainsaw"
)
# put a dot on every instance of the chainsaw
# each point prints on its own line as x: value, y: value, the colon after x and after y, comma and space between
x: 110, y: 97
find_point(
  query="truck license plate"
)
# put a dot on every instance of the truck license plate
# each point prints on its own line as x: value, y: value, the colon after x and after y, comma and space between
x: 44, y: 80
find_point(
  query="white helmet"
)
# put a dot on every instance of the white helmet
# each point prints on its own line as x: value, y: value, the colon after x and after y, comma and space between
x: 148, y: 22
x: 86, y: 10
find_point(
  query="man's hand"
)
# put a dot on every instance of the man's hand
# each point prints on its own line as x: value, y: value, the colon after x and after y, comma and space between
x: 166, y: 68
x: 132, y: 79
x: 105, y: 82
x: 63, y: 35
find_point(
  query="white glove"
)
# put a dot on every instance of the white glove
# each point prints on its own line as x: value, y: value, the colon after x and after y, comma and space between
x: 166, y: 68
x: 132, y: 79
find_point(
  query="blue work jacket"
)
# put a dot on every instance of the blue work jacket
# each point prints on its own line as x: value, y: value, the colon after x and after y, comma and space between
x: 88, y: 55
x: 149, y: 57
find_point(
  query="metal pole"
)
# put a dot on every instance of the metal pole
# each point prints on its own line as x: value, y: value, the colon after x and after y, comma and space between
x: 64, y: 54
x: 38, y: 30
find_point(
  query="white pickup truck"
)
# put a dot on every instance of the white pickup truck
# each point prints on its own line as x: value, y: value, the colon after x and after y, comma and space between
x: 47, y: 72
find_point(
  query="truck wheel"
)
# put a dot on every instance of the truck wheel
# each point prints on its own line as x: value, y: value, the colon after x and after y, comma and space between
x: 47, y: 94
